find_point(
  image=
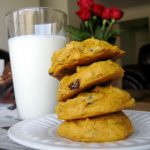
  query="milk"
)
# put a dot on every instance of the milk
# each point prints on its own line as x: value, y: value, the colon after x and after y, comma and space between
x: 35, y: 89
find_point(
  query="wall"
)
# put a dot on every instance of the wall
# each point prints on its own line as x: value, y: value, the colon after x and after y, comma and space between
x: 59, y: 4
x: 131, y: 41
x: 72, y: 8
x: 133, y: 38
x: 136, y: 12
x: 142, y: 37
x: 6, y: 6
x: 127, y: 43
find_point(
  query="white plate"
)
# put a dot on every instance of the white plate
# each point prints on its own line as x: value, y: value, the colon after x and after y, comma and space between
x: 41, y: 133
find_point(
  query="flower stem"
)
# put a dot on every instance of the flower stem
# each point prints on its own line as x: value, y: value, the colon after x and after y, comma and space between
x: 108, y: 29
x: 103, y: 24
x: 91, y: 29
x: 88, y: 26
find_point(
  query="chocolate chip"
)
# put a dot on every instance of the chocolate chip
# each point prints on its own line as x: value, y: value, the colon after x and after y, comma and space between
x: 91, y: 49
x: 74, y: 85
x: 51, y: 73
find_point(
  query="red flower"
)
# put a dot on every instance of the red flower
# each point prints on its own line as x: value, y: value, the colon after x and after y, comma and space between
x: 85, y: 4
x: 98, y: 9
x: 116, y: 13
x: 106, y: 13
x: 84, y: 14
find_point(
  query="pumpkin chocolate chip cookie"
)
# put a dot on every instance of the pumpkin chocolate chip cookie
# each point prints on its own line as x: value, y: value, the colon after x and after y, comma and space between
x: 104, y: 128
x: 99, y: 101
x: 88, y: 76
x: 65, y: 60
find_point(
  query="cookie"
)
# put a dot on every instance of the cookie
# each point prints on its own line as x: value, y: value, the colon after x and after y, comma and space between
x: 88, y: 76
x: 105, y: 128
x: 65, y: 60
x: 101, y: 100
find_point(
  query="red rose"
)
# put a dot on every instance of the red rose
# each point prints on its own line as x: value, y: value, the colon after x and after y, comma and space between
x: 84, y: 14
x: 106, y: 13
x: 85, y: 4
x: 116, y: 13
x: 98, y: 9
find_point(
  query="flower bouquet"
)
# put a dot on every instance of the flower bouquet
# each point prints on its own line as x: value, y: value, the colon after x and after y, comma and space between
x: 96, y: 21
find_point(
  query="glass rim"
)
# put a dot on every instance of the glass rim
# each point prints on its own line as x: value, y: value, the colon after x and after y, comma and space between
x: 34, y: 8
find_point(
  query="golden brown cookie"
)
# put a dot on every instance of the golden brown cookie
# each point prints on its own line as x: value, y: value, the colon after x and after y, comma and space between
x: 101, y: 100
x: 65, y: 60
x: 86, y: 77
x: 105, y: 128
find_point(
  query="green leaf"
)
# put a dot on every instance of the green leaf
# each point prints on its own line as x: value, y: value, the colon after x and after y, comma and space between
x: 99, y: 33
x: 82, y: 26
x: 114, y: 33
x: 77, y: 34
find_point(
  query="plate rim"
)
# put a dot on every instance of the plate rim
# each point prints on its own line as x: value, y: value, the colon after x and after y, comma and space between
x: 36, y: 145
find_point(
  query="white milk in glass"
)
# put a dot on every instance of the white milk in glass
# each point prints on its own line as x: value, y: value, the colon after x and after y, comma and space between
x: 35, y: 89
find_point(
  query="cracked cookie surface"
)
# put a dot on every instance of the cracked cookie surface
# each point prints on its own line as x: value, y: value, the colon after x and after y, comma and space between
x: 65, y: 60
x: 88, y: 76
x: 99, y: 101
x: 105, y: 128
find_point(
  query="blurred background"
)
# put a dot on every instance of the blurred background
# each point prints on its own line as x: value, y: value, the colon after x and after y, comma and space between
x: 134, y: 39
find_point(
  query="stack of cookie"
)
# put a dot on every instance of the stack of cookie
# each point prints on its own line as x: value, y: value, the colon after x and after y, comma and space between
x: 90, y: 107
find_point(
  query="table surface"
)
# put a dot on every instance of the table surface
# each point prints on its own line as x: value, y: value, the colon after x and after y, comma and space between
x: 9, y: 117
x: 143, y: 106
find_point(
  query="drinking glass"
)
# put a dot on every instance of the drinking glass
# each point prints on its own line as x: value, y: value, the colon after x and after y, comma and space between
x: 34, y: 34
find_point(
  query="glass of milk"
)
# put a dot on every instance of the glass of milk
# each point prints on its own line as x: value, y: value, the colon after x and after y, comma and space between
x: 34, y: 34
